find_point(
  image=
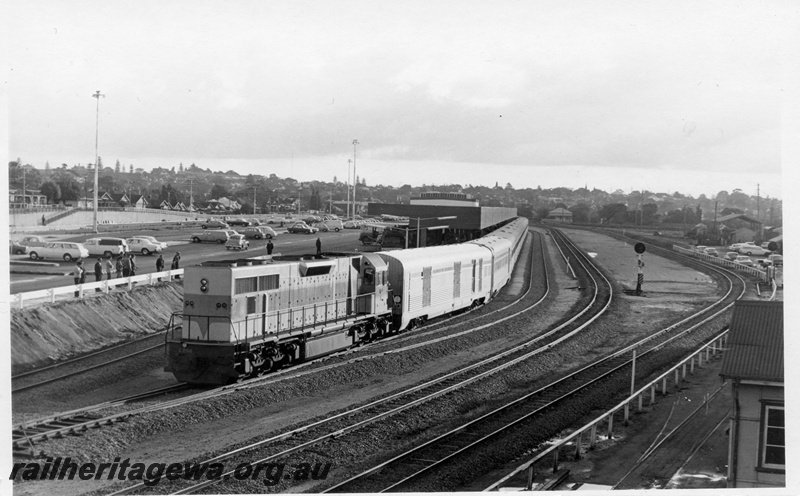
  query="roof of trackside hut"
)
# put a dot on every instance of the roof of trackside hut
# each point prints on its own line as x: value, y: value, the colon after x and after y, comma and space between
x: 755, y: 343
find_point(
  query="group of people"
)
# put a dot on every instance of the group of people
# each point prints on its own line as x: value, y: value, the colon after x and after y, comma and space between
x: 124, y: 266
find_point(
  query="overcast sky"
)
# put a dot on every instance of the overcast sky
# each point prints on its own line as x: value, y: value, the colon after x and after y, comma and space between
x: 686, y: 96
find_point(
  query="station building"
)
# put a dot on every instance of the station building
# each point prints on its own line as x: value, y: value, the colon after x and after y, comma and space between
x: 444, y: 218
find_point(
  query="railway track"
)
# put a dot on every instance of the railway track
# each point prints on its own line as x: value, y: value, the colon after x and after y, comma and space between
x: 25, y: 434
x: 292, y: 441
x: 95, y: 360
x: 422, y: 467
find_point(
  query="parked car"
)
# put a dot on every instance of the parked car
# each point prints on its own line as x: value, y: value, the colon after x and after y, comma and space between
x: 764, y: 262
x: 260, y: 232
x: 144, y: 245
x: 214, y: 224
x: 735, y: 247
x: 14, y: 248
x: 301, y: 227
x: 700, y: 248
x: 753, y: 250
x: 712, y: 252
x: 32, y: 241
x: 352, y: 224
x: 106, y: 246
x: 744, y: 260
x: 237, y: 242
x: 332, y: 225
x: 63, y: 250
x: 732, y: 255
x: 212, y: 236
x: 238, y: 222
x: 255, y: 222
x: 152, y: 240
x: 776, y: 259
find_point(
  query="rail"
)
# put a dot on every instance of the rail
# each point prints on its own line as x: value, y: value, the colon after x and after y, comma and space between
x: 574, y: 441
x: 80, y: 290
x: 725, y: 262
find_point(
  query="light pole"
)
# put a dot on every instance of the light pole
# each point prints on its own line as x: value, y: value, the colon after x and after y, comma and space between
x: 355, y: 144
x: 347, y: 186
x: 419, y: 221
x: 97, y: 96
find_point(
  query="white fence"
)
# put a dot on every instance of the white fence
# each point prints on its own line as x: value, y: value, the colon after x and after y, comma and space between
x: 80, y: 290
x: 587, y: 436
x: 724, y: 261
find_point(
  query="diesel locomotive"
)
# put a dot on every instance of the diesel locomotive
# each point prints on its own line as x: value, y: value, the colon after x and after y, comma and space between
x: 249, y: 316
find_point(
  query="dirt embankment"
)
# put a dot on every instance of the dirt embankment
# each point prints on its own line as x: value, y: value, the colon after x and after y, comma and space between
x: 57, y: 331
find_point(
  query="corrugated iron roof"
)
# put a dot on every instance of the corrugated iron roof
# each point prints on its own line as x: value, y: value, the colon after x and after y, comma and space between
x: 755, y: 343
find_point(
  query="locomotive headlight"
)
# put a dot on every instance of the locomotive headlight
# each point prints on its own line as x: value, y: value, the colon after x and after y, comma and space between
x: 184, y: 345
x: 219, y: 305
x: 204, y: 285
x: 397, y: 299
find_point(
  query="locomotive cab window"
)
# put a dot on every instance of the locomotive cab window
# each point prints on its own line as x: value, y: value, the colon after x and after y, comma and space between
x: 369, y: 275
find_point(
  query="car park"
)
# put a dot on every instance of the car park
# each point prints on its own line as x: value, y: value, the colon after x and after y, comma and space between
x: 33, y: 241
x: 753, y: 250
x: 260, y: 232
x: 732, y: 255
x: 106, y: 247
x: 15, y: 248
x: 744, y: 260
x: 238, y: 222
x: 144, y: 246
x: 301, y: 227
x: 214, y: 224
x: 212, y: 236
x: 237, y: 242
x: 61, y: 250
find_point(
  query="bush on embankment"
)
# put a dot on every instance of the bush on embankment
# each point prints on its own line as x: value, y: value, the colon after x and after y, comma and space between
x: 56, y: 331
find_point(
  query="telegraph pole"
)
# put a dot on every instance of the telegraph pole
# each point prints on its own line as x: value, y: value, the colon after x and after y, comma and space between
x: 254, y: 200
x: 97, y: 96
x: 355, y: 144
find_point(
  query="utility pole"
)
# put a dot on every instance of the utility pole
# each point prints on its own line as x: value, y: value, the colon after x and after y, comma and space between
x: 97, y: 96
x: 254, y: 200
x: 24, y: 187
x: 355, y: 144
x: 347, y: 186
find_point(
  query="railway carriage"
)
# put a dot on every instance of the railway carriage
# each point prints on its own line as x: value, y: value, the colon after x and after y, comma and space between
x: 429, y: 282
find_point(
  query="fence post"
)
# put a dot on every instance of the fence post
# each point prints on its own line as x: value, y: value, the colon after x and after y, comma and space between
x: 19, y: 301
x: 611, y: 426
x: 150, y: 278
x: 592, y: 436
x: 52, y: 295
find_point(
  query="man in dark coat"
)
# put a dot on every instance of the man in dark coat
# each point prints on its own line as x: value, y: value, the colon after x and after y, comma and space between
x: 126, y: 265
x: 98, y: 273
x: 176, y: 263
x: 319, y: 246
x: 270, y: 247
x: 118, y: 266
x: 160, y: 265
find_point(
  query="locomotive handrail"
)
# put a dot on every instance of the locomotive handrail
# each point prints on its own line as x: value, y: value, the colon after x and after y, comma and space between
x: 19, y: 299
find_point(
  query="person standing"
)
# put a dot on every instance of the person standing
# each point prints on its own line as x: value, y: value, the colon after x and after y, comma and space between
x: 98, y: 273
x: 79, y: 275
x: 160, y: 265
x: 133, y: 265
x: 319, y: 246
x: 118, y: 266
x: 126, y: 266
x: 176, y: 263
x: 44, y: 221
x: 109, y: 267
x: 270, y: 247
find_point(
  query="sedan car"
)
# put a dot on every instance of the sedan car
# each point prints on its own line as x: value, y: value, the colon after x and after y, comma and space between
x: 255, y: 222
x: 15, y: 248
x: 31, y: 241
x: 63, y: 250
x: 744, y: 260
x: 352, y: 224
x: 152, y: 240
x: 144, y: 245
x: 214, y: 224
x: 239, y: 222
x: 237, y: 242
x: 712, y: 252
x: 753, y: 250
x: 301, y: 227
x: 732, y: 255
x: 777, y: 260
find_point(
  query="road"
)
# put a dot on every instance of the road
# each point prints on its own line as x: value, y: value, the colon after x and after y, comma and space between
x: 191, y: 254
